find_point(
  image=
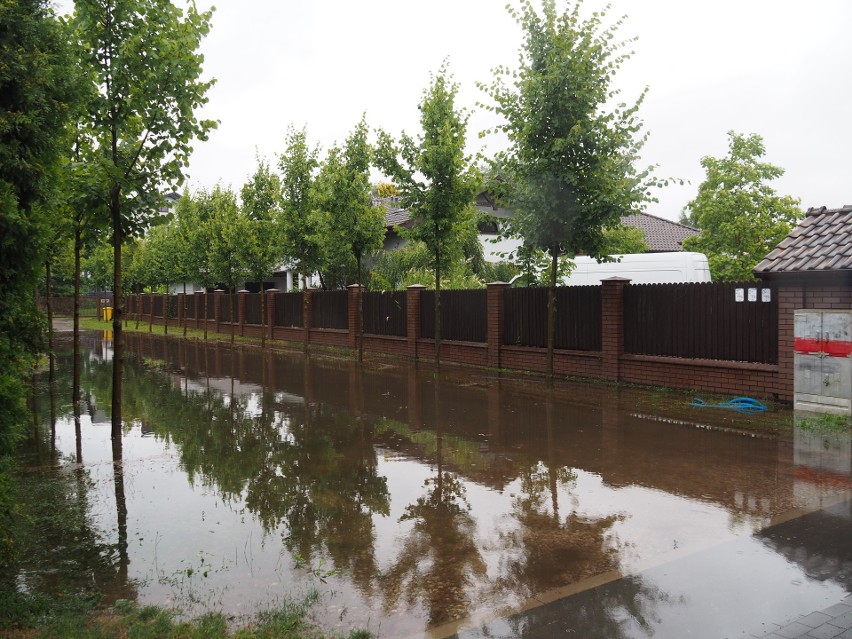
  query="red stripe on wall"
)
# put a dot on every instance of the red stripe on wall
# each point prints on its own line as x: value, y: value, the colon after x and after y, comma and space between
x: 833, y: 348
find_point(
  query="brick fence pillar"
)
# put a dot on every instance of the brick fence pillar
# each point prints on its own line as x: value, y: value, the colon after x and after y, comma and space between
x: 495, y: 315
x: 152, y: 297
x: 790, y: 298
x: 355, y: 291
x: 271, y: 298
x: 612, y: 326
x: 412, y: 320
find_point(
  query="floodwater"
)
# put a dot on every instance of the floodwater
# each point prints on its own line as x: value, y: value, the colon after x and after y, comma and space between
x: 415, y: 505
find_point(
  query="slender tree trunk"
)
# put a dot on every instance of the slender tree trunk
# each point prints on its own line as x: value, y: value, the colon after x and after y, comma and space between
x: 166, y: 300
x: 206, y: 307
x: 151, y: 315
x: 360, y: 336
x: 437, y: 310
x: 262, y: 315
x: 118, y: 336
x: 185, y: 308
x: 49, y: 297
x: 551, y: 313
x: 75, y: 383
x: 231, y: 311
x: 304, y: 302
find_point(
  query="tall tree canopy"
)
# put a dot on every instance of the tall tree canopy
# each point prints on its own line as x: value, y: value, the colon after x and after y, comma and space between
x: 142, y: 58
x: 570, y: 172
x: 740, y: 215
x: 354, y: 223
x: 437, y: 182
x: 37, y: 88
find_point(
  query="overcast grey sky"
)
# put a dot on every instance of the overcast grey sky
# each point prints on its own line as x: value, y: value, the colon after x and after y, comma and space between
x: 773, y: 67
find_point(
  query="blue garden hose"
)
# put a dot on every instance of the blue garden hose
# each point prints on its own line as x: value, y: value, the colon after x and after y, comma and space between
x: 740, y: 404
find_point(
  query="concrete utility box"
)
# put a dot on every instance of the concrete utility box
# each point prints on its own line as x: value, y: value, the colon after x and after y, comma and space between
x: 823, y: 361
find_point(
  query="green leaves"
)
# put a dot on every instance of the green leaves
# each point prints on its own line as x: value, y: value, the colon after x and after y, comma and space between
x: 741, y: 216
x: 571, y: 156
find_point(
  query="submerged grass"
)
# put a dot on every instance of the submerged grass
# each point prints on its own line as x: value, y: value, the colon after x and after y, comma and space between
x: 126, y: 619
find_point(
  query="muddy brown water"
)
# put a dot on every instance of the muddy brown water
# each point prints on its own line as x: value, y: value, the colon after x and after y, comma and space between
x: 412, y: 504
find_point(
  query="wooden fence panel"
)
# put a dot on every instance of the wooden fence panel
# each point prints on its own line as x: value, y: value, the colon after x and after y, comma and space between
x: 703, y: 321
x: 173, y: 306
x: 464, y: 315
x: 385, y: 313
x: 288, y: 310
x: 330, y: 309
x: 253, y: 308
x: 578, y: 317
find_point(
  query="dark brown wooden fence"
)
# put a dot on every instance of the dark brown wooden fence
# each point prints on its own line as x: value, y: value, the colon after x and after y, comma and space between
x: 578, y: 318
x: 703, y: 321
x: 253, y: 307
x: 64, y: 305
x: 385, y: 313
x: 464, y: 315
x: 288, y: 309
x: 331, y: 309
x: 211, y: 306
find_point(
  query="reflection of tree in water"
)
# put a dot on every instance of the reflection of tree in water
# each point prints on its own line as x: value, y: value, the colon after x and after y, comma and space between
x: 439, y: 556
x: 554, y: 550
x: 322, y: 484
x: 312, y: 470
x: 58, y: 549
x: 619, y: 610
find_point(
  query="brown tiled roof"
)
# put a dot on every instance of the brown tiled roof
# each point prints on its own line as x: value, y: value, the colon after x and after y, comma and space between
x: 821, y: 242
x: 661, y: 235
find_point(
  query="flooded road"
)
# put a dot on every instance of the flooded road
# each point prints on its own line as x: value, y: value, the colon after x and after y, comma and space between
x: 461, y: 505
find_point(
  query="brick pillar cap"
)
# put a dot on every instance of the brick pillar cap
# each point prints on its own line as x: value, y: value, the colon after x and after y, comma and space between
x: 218, y: 290
x: 497, y: 284
x: 355, y: 286
x: 243, y: 291
x: 272, y: 290
x: 616, y: 279
x: 416, y: 286
x: 199, y: 293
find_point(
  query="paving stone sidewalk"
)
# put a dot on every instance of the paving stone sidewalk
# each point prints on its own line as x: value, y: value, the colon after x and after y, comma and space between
x: 834, y: 622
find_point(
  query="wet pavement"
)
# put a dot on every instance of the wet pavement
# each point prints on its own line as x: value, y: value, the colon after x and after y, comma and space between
x: 748, y: 587
x: 466, y: 505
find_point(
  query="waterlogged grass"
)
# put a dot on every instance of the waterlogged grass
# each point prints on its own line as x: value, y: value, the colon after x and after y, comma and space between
x: 62, y: 574
x: 126, y: 619
x: 825, y: 423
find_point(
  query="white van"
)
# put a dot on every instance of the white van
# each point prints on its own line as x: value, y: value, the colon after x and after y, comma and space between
x: 642, y: 268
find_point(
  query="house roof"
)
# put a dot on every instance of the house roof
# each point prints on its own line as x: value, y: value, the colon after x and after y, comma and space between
x: 661, y: 235
x: 819, y: 244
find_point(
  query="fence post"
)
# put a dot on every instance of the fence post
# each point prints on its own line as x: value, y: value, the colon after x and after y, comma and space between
x: 412, y: 320
x: 354, y: 291
x: 495, y: 318
x: 166, y: 297
x: 612, y: 326
x: 217, y: 307
x: 152, y: 296
x: 241, y: 310
x: 271, y: 297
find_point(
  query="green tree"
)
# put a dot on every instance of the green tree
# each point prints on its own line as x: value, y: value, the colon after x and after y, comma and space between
x: 354, y: 223
x: 301, y: 222
x: 570, y: 159
x: 142, y: 58
x: 260, y: 250
x: 740, y: 215
x: 624, y: 239
x: 228, y: 235
x: 436, y: 180
x: 37, y: 91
